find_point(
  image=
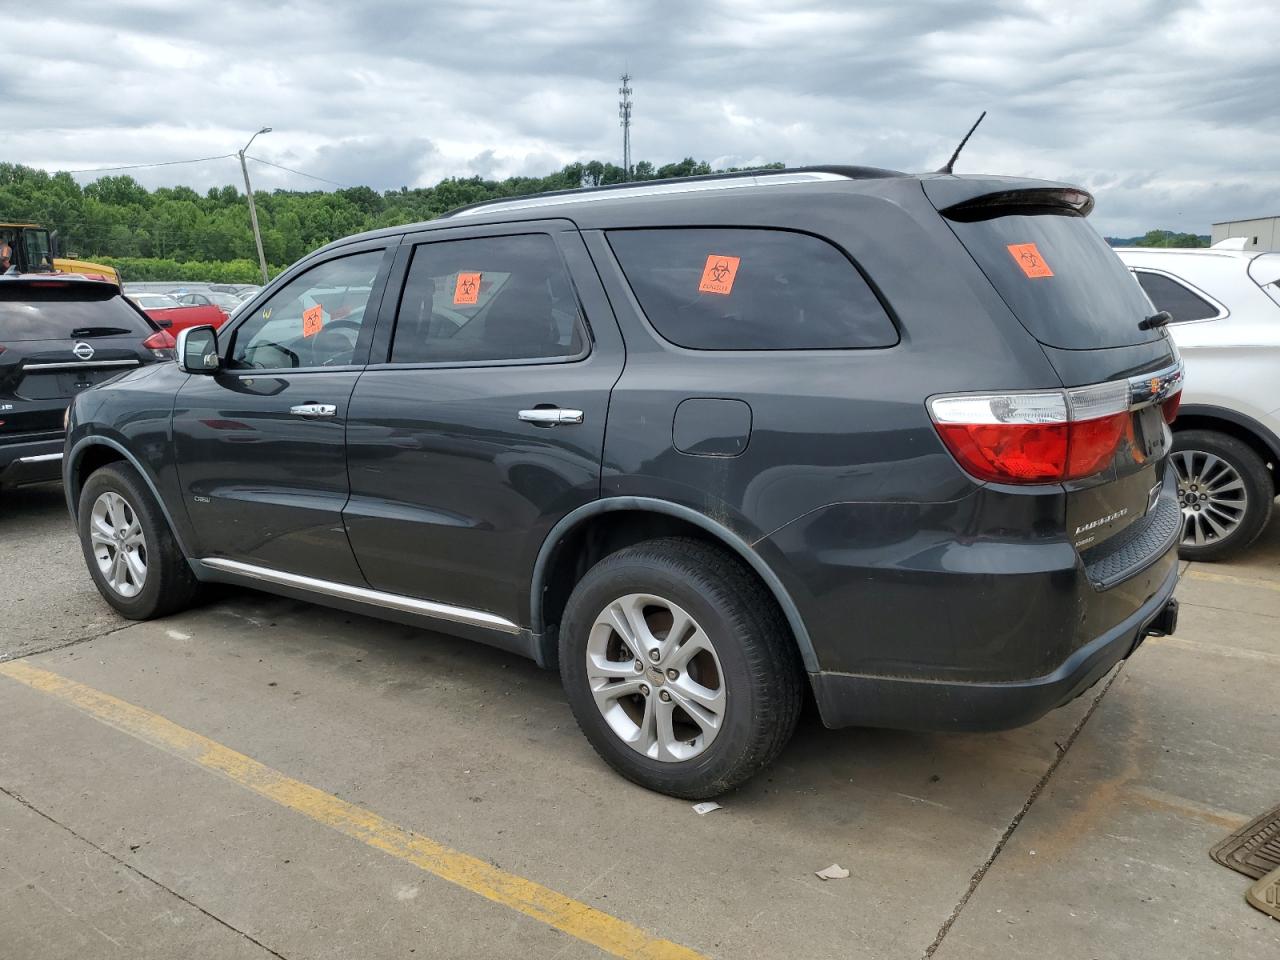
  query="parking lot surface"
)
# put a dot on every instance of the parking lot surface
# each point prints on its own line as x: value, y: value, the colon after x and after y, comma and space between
x: 260, y: 777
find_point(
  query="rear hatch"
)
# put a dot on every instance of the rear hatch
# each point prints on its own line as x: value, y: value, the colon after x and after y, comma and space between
x: 1071, y: 292
x: 58, y: 337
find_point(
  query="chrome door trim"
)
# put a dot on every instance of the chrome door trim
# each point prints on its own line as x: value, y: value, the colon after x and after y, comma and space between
x: 41, y: 458
x: 377, y: 598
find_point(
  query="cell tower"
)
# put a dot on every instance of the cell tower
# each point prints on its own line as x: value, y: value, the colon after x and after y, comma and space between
x: 624, y: 114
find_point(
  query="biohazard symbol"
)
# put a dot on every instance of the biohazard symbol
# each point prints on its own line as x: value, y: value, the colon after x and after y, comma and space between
x: 312, y: 320
x: 718, y: 274
x: 467, y: 288
x: 1030, y: 260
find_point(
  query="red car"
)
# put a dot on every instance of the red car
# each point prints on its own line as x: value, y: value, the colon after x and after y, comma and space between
x: 174, y: 316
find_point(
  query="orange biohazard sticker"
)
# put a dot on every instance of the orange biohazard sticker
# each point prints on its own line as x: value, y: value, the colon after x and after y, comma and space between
x: 718, y: 275
x: 467, y: 288
x: 1030, y: 260
x: 312, y: 320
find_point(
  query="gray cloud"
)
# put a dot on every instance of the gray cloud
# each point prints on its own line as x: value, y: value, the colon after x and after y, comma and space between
x: 1165, y: 108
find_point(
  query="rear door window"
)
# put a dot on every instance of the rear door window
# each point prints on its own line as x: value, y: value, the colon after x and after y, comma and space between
x: 488, y: 298
x: 1181, y: 302
x: 727, y: 289
x: 1060, y: 279
x: 53, y: 310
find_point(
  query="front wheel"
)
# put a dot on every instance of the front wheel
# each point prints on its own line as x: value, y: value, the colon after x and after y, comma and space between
x: 679, y: 667
x: 131, y: 553
x: 1225, y: 491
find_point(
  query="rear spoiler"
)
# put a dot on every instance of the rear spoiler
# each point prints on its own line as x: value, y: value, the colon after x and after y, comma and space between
x: 980, y: 198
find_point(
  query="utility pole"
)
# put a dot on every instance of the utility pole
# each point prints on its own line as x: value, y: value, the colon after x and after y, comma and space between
x: 624, y: 114
x: 253, y: 209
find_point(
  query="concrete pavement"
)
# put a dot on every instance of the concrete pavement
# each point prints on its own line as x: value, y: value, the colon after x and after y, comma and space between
x: 477, y: 751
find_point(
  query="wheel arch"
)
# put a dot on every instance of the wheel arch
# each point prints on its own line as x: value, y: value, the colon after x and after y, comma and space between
x: 94, y: 452
x: 1195, y: 416
x: 602, y: 526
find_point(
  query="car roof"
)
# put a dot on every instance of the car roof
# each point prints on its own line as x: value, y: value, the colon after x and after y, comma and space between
x: 626, y: 204
x: 1191, y: 252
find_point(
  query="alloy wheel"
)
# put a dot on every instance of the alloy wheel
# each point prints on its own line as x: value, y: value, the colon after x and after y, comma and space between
x: 119, y: 546
x: 1212, y: 495
x: 656, y: 678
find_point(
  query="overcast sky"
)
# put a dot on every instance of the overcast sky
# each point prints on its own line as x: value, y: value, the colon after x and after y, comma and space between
x: 1166, y: 109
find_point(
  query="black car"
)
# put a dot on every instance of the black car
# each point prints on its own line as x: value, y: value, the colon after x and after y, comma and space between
x: 60, y: 335
x: 705, y: 446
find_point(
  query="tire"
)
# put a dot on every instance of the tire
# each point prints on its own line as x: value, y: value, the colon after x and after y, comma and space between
x: 1234, y: 492
x: 748, y: 664
x: 166, y: 583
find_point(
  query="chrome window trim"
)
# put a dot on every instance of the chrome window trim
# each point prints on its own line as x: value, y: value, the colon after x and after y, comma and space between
x: 650, y: 190
x: 1217, y: 304
x: 377, y: 598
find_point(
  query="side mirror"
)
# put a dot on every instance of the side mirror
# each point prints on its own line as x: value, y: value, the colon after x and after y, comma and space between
x: 198, y: 350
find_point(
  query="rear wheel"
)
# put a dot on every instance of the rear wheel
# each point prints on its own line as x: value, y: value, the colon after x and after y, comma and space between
x: 131, y: 553
x: 679, y: 667
x: 1225, y: 491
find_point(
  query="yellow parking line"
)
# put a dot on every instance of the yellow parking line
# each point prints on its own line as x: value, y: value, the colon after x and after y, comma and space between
x: 1227, y: 578
x: 532, y: 899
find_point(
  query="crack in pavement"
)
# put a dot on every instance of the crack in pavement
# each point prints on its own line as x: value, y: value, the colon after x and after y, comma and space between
x: 62, y: 644
x: 1017, y: 819
x: 132, y: 869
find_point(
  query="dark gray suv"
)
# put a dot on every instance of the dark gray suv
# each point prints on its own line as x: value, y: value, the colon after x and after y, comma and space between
x: 705, y: 446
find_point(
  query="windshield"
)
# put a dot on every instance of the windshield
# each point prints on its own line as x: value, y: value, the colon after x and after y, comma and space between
x: 1061, y: 280
x: 64, y: 311
x: 155, y: 301
x: 39, y: 256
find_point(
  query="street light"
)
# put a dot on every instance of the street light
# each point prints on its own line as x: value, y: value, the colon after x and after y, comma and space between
x: 253, y: 210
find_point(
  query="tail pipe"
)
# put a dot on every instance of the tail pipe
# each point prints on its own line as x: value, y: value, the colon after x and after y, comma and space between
x: 1164, y: 623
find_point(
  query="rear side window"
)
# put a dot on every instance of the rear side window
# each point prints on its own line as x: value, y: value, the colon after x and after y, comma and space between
x: 724, y: 289
x: 1060, y: 279
x: 491, y: 298
x: 66, y: 311
x: 1168, y: 294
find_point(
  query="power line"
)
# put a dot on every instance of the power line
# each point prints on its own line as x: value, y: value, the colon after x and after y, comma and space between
x: 143, y: 166
x: 278, y: 166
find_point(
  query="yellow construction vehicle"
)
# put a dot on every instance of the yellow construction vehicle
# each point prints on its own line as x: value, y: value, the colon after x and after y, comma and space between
x: 35, y: 250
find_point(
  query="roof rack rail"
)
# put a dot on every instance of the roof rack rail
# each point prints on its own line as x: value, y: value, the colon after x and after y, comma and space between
x: 714, y: 181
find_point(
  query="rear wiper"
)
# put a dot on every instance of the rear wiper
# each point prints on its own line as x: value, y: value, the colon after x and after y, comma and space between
x: 100, y: 331
x: 1155, y: 320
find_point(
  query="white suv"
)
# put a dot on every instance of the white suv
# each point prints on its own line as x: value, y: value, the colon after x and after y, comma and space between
x: 1225, y: 310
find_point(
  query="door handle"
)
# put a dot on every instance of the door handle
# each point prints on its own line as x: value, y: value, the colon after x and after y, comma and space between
x: 314, y: 411
x: 550, y: 416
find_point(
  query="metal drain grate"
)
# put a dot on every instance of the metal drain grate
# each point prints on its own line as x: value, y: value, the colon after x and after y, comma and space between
x: 1265, y: 894
x: 1254, y: 849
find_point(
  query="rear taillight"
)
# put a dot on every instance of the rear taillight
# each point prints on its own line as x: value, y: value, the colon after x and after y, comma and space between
x: 160, y: 340
x: 1043, y: 437
x: 161, y: 343
x: 1170, y: 407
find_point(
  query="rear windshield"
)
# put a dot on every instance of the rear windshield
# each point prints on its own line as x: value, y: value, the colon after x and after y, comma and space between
x: 1060, y: 279
x: 64, y: 312
x: 725, y: 289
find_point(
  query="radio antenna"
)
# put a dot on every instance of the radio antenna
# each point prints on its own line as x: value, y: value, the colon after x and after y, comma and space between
x: 946, y: 168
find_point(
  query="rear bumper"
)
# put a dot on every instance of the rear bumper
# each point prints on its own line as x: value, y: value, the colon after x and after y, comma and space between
x: 846, y: 699
x: 35, y: 462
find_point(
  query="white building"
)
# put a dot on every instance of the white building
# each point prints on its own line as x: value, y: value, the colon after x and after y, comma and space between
x: 1262, y: 233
